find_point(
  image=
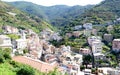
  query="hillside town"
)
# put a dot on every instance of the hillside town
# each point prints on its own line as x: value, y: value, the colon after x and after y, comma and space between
x: 50, y: 37
x: 36, y: 50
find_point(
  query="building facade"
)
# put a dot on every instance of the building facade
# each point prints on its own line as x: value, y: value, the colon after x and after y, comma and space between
x: 92, y: 39
x: 108, y: 37
x: 84, y: 51
x: 116, y: 45
x: 87, y: 26
x: 5, y: 41
x: 97, y: 46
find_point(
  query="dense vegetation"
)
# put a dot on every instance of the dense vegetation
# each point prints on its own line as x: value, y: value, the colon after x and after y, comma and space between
x: 14, y: 17
x: 58, y: 15
x: 13, y: 36
x: 107, y: 10
x: 61, y: 15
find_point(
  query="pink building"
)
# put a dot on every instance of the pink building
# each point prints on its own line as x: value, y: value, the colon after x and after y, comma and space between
x: 76, y: 33
x: 34, y: 46
x: 94, y: 31
x: 116, y: 45
x: 69, y: 34
x: 84, y: 51
x: 10, y: 29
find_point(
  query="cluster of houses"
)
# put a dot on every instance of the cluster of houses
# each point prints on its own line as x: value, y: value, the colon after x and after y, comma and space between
x: 38, y: 48
x: 96, y: 46
x: 68, y: 61
x: 28, y: 40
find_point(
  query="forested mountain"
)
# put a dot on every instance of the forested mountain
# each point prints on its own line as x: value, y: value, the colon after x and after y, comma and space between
x: 14, y: 17
x: 107, y: 10
x: 58, y: 15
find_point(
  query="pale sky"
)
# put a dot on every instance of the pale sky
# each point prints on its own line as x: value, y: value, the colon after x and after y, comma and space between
x: 61, y: 2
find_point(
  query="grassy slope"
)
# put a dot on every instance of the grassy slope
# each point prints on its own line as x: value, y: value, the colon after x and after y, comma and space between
x: 6, y: 69
x: 21, y: 19
x: 105, y: 11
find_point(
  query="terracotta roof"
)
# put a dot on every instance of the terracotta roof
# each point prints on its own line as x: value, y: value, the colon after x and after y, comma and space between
x: 39, y: 65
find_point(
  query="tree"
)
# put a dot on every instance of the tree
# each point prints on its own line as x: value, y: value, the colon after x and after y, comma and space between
x: 94, y: 70
x: 2, y: 60
x: 7, y: 56
x: 55, y: 72
x: 4, y: 54
x: 106, y: 49
x: 25, y: 51
x: 26, y: 70
x: 87, y: 59
x: 82, y: 67
x: 7, y: 50
x: 13, y: 36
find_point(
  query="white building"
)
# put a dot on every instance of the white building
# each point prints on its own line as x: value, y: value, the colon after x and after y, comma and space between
x: 99, y: 56
x: 66, y: 48
x: 5, y: 41
x: 71, y: 69
x: 87, y: 26
x: 78, y: 27
x: 118, y: 19
x: 55, y: 36
x: 21, y: 44
x: 87, y: 72
x: 108, y: 71
x: 75, y: 58
x: 93, y: 38
x: 45, y: 34
x: 97, y: 46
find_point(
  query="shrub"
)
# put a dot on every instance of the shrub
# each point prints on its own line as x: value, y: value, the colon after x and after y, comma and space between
x: 82, y: 67
x: 7, y: 56
x: 26, y: 70
x: 2, y: 60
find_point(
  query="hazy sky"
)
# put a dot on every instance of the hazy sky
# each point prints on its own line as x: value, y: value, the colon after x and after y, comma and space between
x: 59, y: 2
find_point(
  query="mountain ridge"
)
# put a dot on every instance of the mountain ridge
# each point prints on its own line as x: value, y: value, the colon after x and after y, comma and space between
x: 58, y: 15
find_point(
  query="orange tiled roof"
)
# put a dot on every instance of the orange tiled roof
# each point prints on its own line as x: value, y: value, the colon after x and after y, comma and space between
x: 43, y: 67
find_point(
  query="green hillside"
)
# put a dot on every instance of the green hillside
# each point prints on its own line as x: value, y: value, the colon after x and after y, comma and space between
x: 61, y: 15
x: 14, y: 17
x: 107, y: 10
x: 58, y: 15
